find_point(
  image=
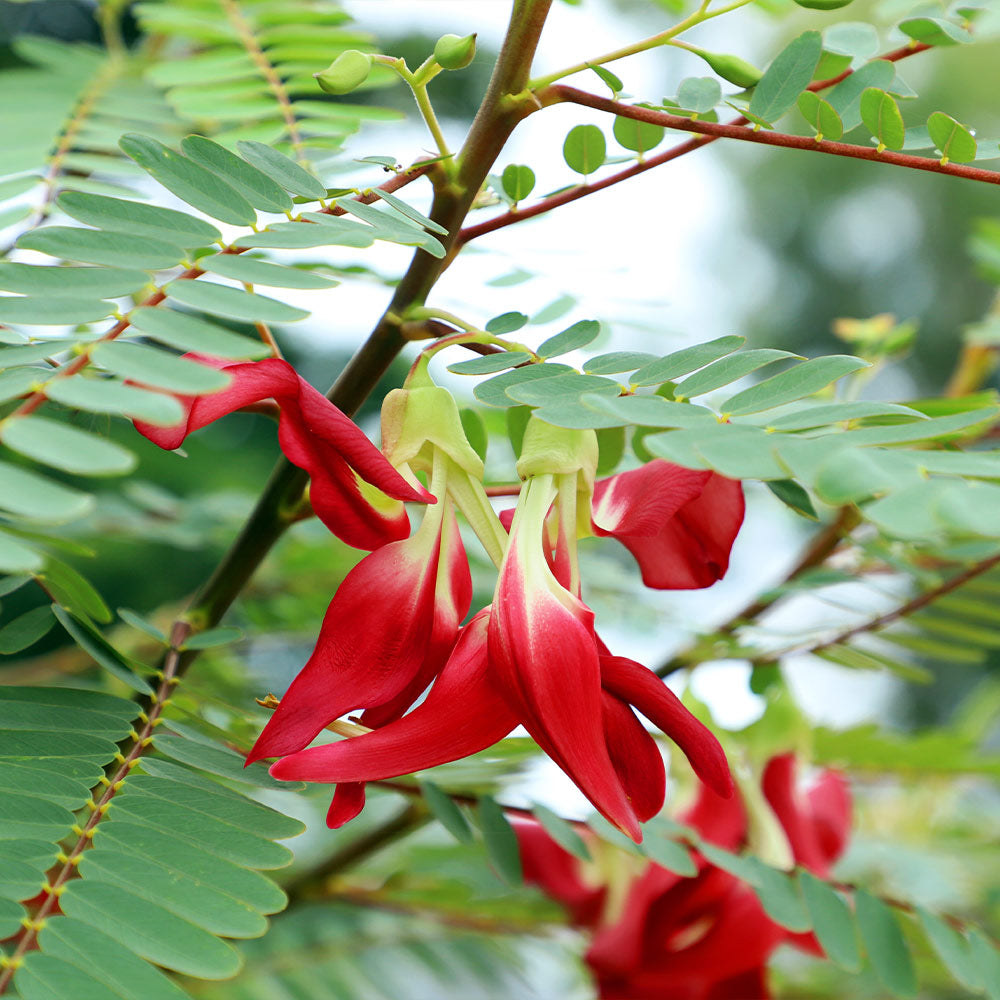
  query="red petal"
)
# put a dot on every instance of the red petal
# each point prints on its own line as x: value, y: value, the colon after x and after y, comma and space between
x: 636, y: 758
x: 639, y: 686
x: 461, y: 715
x: 721, y: 821
x: 830, y: 800
x: 317, y: 437
x: 452, y: 597
x: 806, y: 831
x: 543, y: 651
x: 641, y: 501
x: 374, y: 639
x: 506, y: 518
x: 348, y: 801
x: 691, y: 548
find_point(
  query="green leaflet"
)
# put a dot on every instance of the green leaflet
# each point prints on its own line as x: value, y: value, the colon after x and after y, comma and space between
x: 490, y: 363
x: 103, y: 282
x: 256, y: 186
x: 243, y: 267
x: 885, y: 944
x: 40, y: 499
x: 119, y: 215
x: 99, y: 395
x: 94, y: 246
x: 787, y: 76
x: 802, y: 380
x: 500, y: 840
x: 580, y: 334
x: 151, y: 366
x: 189, y: 333
x: 152, y: 887
x: 65, y: 447
x: 191, y: 182
x: 280, y: 168
x: 233, y: 303
x: 585, y: 149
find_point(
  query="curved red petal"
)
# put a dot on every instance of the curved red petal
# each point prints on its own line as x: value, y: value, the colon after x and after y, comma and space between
x: 543, y: 652
x: 314, y: 435
x: 639, y: 686
x: 374, y: 639
x: 348, y: 801
x: 641, y: 501
x: 636, y: 758
x: 461, y: 715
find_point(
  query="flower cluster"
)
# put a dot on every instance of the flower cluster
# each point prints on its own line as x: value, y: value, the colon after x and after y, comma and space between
x: 532, y: 657
x: 655, y: 934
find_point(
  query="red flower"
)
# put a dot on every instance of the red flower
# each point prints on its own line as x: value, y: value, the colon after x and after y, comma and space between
x: 680, y: 524
x: 700, y: 938
x: 535, y: 660
x: 532, y: 659
x: 317, y: 437
x: 387, y: 633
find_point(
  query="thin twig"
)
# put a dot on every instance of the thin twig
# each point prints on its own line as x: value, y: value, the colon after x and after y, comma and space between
x: 902, y: 611
x: 313, y: 883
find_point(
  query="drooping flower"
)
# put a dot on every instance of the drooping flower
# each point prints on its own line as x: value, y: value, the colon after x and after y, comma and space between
x: 315, y: 435
x: 394, y: 620
x: 656, y: 934
x: 534, y: 659
x: 679, y: 524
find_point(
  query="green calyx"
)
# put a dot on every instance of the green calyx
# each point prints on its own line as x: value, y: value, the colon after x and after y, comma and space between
x: 733, y: 68
x: 557, y: 450
x: 455, y: 51
x: 425, y: 415
x: 346, y: 73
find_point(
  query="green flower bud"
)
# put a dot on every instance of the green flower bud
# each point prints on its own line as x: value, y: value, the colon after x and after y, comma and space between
x: 732, y: 68
x: 455, y: 51
x: 347, y: 72
x: 823, y: 4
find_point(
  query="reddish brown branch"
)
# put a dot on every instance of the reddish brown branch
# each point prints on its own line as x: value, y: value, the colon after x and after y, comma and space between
x: 555, y: 94
x: 582, y: 190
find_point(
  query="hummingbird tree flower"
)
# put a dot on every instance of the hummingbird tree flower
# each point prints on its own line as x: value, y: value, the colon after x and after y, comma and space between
x: 394, y: 620
x: 533, y: 658
x: 680, y: 524
x: 656, y: 934
x: 354, y: 489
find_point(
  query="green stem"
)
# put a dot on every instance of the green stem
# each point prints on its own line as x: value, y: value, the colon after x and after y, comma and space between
x: 652, y: 42
x: 417, y: 81
x: 427, y: 113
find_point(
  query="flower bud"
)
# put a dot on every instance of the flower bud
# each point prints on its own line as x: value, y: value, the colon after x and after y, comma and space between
x: 733, y: 68
x: 347, y: 72
x: 823, y: 4
x: 455, y: 51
